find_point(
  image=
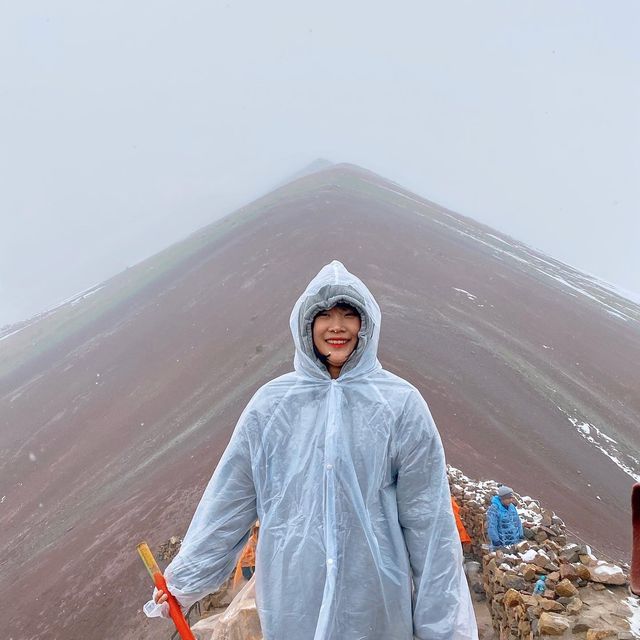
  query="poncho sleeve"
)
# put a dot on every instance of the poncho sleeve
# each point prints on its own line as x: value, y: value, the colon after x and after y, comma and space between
x: 442, y: 604
x: 220, y: 526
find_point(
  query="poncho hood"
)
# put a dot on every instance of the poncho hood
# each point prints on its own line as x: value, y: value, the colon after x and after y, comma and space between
x: 333, y: 285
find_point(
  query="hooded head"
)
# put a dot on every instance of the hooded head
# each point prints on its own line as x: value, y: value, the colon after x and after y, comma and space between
x: 504, y: 491
x: 332, y: 286
x: 504, y: 497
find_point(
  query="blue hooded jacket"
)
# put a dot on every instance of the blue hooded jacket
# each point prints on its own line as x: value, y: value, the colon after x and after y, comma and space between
x: 504, y: 527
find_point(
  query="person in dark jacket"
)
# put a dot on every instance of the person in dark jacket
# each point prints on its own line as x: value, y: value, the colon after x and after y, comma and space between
x: 504, y: 526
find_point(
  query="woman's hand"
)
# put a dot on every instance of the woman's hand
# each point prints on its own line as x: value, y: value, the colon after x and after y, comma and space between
x: 156, y: 607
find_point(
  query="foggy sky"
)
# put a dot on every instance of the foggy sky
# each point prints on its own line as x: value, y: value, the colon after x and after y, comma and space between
x: 126, y: 125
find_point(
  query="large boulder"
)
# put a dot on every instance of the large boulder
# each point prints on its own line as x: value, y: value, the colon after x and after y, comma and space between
x: 512, y: 598
x: 606, y: 573
x: 553, y: 624
x: 565, y: 589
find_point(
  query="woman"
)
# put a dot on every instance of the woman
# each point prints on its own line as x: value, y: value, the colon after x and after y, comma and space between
x: 341, y: 462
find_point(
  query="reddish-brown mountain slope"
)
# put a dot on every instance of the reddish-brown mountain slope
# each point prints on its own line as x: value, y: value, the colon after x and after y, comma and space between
x: 115, y: 408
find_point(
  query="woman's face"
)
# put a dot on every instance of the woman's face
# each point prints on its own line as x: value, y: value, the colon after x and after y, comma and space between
x: 335, y: 335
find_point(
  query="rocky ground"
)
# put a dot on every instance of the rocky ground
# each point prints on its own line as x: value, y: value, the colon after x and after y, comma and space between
x: 585, y: 598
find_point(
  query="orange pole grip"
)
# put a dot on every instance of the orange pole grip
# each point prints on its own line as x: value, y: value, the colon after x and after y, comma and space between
x: 174, y: 609
x: 158, y: 579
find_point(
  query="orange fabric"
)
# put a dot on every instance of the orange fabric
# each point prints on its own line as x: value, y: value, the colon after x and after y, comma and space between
x: 462, y: 532
x: 247, y: 558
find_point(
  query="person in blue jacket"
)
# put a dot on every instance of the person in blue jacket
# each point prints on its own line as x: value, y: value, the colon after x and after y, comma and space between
x: 504, y: 526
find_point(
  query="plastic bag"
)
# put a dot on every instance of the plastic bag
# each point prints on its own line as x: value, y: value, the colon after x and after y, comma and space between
x: 239, y: 622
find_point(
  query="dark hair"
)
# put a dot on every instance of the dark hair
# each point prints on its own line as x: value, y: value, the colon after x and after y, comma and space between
x: 348, y: 307
x: 320, y: 356
x: 339, y: 305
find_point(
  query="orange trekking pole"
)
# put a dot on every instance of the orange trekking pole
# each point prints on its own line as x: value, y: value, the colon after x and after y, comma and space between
x: 158, y: 579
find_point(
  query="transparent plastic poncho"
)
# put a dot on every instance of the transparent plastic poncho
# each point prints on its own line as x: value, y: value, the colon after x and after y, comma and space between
x: 348, y: 479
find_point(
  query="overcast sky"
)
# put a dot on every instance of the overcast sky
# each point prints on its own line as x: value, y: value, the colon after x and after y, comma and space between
x: 124, y: 125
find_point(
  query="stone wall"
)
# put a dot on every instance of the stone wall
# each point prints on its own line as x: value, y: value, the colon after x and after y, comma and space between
x: 585, y: 597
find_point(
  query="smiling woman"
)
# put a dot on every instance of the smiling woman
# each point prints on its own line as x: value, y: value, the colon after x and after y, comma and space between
x: 335, y: 336
x: 342, y: 464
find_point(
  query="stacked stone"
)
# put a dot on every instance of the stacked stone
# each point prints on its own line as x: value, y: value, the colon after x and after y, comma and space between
x: 509, y: 575
x: 169, y: 550
x: 474, y: 498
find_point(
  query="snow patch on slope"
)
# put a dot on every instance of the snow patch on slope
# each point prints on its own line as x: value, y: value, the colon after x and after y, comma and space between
x: 12, y: 333
x: 613, y: 300
x: 469, y: 295
x: 606, y: 445
x: 72, y: 301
